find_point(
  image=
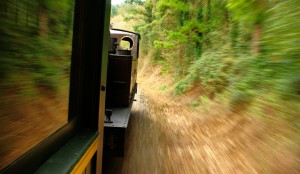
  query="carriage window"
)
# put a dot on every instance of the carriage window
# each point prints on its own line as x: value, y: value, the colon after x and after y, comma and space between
x: 126, y: 43
x: 35, y: 57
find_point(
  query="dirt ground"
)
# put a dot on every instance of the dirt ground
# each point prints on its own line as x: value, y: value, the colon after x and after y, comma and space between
x: 167, y: 136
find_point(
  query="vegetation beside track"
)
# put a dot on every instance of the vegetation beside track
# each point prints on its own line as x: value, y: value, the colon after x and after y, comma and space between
x: 226, y: 59
x: 241, y: 53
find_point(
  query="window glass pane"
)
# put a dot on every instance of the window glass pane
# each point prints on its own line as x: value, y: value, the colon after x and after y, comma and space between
x: 35, y: 57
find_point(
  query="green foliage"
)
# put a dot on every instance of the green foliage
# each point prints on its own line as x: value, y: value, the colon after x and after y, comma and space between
x: 114, y: 10
x: 204, y: 99
x: 177, y: 37
x: 182, y: 86
x: 194, y: 103
x: 161, y: 44
x: 57, y: 6
x: 247, y: 11
x: 163, y: 88
x: 243, y: 50
x: 138, y: 2
x: 281, y: 34
x: 177, y: 5
x: 209, y: 71
x: 36, y: 39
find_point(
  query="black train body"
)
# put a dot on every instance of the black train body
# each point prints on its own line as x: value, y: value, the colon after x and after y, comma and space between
x: 121, y: 88
x: 122, y: 68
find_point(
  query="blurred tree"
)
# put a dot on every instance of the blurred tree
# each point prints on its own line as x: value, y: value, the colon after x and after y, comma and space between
x: 33, y: 34
x: 250, y: 13
x: 114, y: 10
x: 137, y: 2
x: 239, y: 46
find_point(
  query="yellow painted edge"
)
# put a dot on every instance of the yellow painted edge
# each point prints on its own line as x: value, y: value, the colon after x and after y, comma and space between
x: 86, y: 158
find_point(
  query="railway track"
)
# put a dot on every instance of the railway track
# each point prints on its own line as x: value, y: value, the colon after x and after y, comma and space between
x: 163, y: 138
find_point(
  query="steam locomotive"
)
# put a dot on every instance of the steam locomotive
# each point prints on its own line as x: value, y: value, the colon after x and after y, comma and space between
x: 121, y: 88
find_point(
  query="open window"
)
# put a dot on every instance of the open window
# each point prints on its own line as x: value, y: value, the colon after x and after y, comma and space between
x: 126, y: 43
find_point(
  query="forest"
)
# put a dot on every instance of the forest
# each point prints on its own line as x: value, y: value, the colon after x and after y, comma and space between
x: 36, y: 37
x: 219, y: 85
x: 244, y: 54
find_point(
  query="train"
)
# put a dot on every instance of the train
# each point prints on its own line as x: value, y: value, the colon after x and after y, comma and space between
x: 103, y: 84
x: 121, y: 88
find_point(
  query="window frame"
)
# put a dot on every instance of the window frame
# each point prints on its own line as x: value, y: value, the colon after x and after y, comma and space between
x: 88, y: 47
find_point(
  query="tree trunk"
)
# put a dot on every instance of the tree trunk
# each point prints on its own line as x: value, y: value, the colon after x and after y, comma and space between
x: 256, y: 39
x: 256, y: 35
x: 43, y: 22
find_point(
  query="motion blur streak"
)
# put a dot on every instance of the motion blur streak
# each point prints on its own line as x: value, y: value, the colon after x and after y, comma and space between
x: 220, y: 87
x: 35, y: 56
